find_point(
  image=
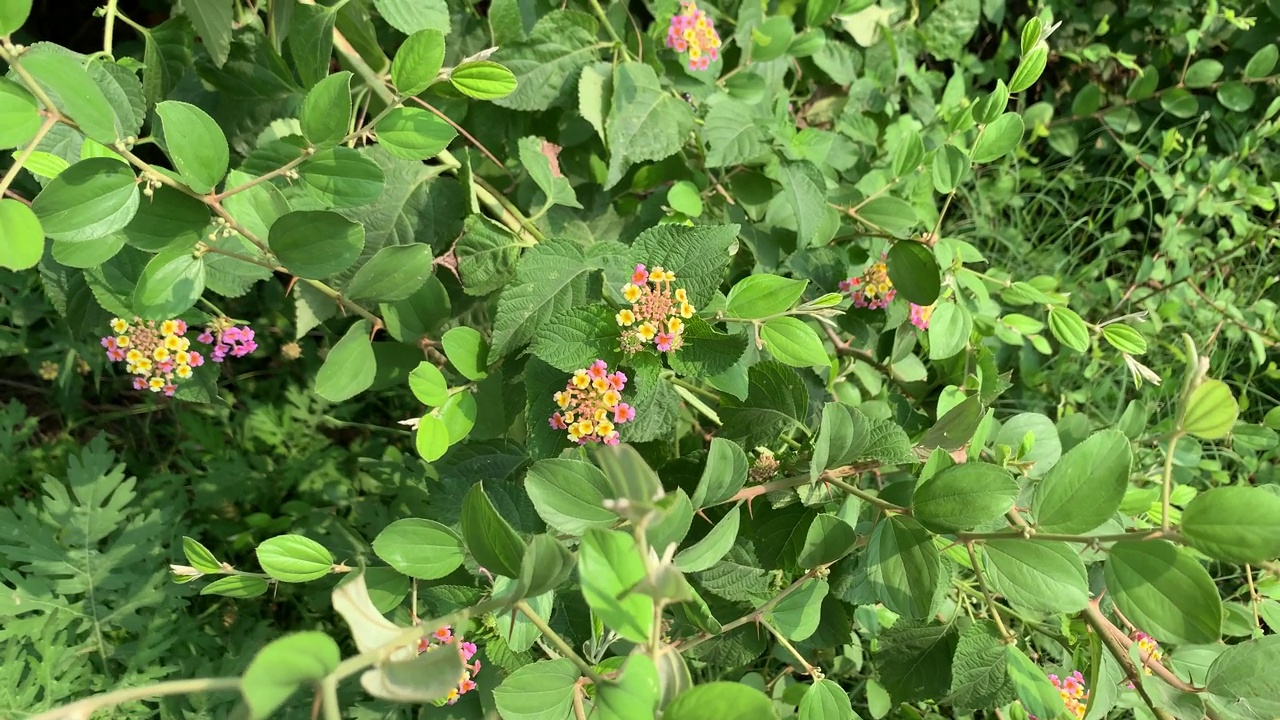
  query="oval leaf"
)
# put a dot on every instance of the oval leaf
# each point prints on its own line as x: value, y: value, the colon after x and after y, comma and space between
x: 1235, y: 524
x: 422, y: 549
x: 1211, y: 411
x: 351, y: 366
x: 294, y: 558
x: 963, y: 497
x: 1162, y: 590
x: 1084, y: 489
x: 316, y: 243
x: 88, y: 200
x: 195, y: 143
x: 913, y: 270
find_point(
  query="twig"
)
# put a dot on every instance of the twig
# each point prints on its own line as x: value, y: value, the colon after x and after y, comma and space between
x: 1009, y: 638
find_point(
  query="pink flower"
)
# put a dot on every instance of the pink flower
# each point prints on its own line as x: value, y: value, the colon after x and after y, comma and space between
x: 468, y: 651
x: 618, y: 381
x: 623, y: 413
x: 139, y: 383
x: 115, y: 354
x: 611, y: 439
x: 169, y: 390
x: 205, y: 337
x: 557, y: 422
x: 180, y: 327
x: 443, y: 635
x: 920, y: 315
x: 196, y: 359
x: 663, y: 341
x: 598, y: 370
x: 109, y: 342
x: 640, y: 276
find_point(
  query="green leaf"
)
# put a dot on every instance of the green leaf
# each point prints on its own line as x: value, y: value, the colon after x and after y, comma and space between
x: 569, y: 495
x: 43, y: 164
x: 1180, y: 103
x: 411, y: 16
x: 794, y: 343
x: 797, y: 615
x: 1211, y: 411
x: 731, y: 700
x: 418, y: 62
x: 842, y: 435
x: 903, y: 566
x: 1202, y: 73
x: 393, y: 274
x: 963, y: 497
x: 200, y: 557
x: 468, y: 352
x: 913, y: 270
x: 629, y: 476
x: 310, y: 41
x: 13, y: 13
x: 731, y: 134
x: 316, y: 243
x: 1069, y: 328
x: 1038, y: 575
x: 326, y: 111
x: 213, y: 20
x: 432, y: 437
x: 908, y: 154
x: 426, y: 678
x: 998, y: 139
x: 609, y: 565
x: 634, y: 695
x: 979, y: 671
x: 1262, y: 63
x: 950, y: 168
x: 828, y: 539
x: 459, y: 415
x: 1244, y: 678
x: 577, y: 338
x: 491, y: 539
x: 889, y: 214
x: 759, y: 296
x: 989, y: 107
x: 914, y: 660
x: 294, y: 558
x: 1162, y: 590
x: 341, y: 177
x: 1032, y: 686
x: 88, y: 200
x: 547, y: 64
x: 1236, y: 524
x: 645, y: 123
x: 949, y: 330
x: 1125, y: 339
x: 1030, y: 68
x: 284, y: 666
x: 19, y: 115
x: 170, y: 285
x: 704, y: 554
x: 683, y: 197
x: 697, y: 255
x: 806, y: 192
x: 825, y: 700
x: 541, y: 691
x: 723, y: 476
x: 422, y: 549
x: 536, y: 155
x: 706, y: 353
x: 777, y: 402
x: 483, y: 80
x: 487, y: 255
x: 23, y: 237
x: 195, y: 143
x: 1084, y: 489
x: 237, y: 586
x: 71, y: 88
x: 546, y: 566
x: 350, y: 367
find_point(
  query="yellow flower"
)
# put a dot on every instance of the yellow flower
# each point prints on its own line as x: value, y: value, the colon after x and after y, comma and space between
x: 601, y: 414
x: 173, y: 342
x: 122, y: 341
x: 584, y: 427
x: 580, y: 379
x: 133, y: 357
x: 184, y: 371
x: 156, y: 384
x: 611, y: 398
x: 681, y: 295
x: 119, y: 325
x: 626, y: 317
x: 142, y: 367
x: 658, y: 274
x: 604, y: 427
x: 675, y: 325
x: 695, y: 52
x: 168, y: 327
x: 686, y: 310
x: 562, y: 399
x: 183, y: 343
x: 647, y: 331
x: 631, y: 292
x: 600, y: 384
x: 568, y: 417
x: 160, y: 353
x: 182, y: 357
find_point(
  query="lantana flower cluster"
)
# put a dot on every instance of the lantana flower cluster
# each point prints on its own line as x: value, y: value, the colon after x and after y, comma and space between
x: 874, y: 290
x: 591, y: 405
x: 1150, y: 650
x: 442, y: 637
x: 228, y: 339
x: 692, y: 31
x: 1074, y: 695
x: 157, y: 354
x: 657, y: 311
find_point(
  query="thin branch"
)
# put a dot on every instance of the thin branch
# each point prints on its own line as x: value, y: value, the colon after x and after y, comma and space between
x: 844, y: 348
x: 561, y: 646
x: 986, y: 594
x: 82, y: 709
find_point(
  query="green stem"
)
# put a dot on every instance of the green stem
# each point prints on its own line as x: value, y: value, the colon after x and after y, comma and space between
x: 561, y: 646
x: 1031, y: 533
x: 755, y: 615
x: 809, y: 669
x: 864, y: 495
x: 608, y: 26
x: 1166, y: 490
x: 108, y: 32
x: 12, y: 172
x: 86, y: 707
x: 986, y: 594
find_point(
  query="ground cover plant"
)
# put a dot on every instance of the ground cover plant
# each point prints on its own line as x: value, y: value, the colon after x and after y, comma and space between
x: 539, y: 360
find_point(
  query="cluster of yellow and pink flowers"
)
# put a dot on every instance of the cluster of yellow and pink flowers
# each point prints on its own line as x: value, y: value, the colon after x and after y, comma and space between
x: 442, y: 637
x: 1074, y: 695
x: 692, y: 32
x: 228, y: 339
x: 587, y: 401
x: 874, y: 290
x: 1150, y: 650
x: 158, y: 355
x: 657, y: 311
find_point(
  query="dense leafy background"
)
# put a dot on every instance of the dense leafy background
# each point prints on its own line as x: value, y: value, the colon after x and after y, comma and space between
x: 1080, y: 203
